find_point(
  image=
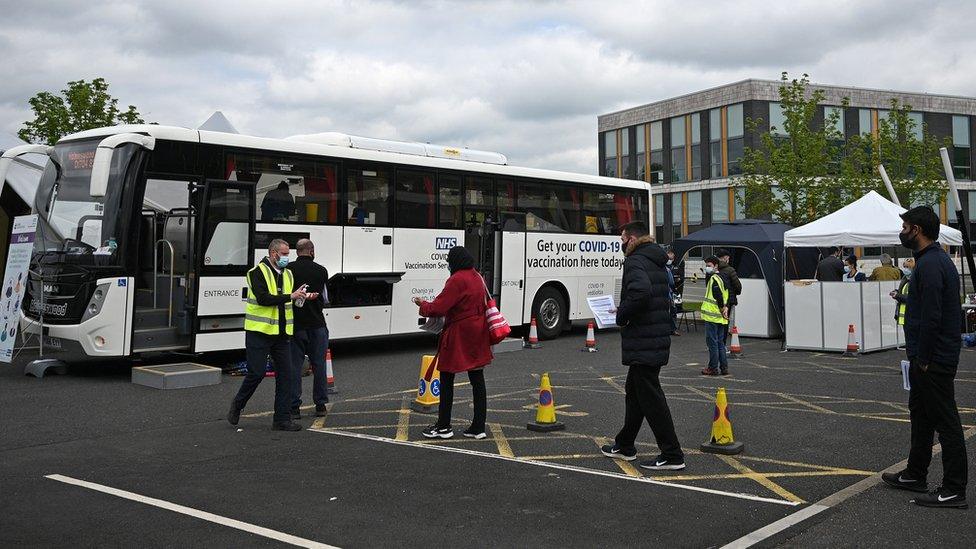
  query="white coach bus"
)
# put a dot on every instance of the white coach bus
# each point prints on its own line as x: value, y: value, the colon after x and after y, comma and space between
x: 147, y: 231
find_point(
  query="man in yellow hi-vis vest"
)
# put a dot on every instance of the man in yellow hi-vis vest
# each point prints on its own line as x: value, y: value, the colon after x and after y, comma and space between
x: 715, y: 313
x: 268, y: 326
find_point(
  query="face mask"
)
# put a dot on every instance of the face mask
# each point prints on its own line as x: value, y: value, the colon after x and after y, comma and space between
x: 847, y: 268
x: 709, y: 270
x: 670, y: 262
x: 907, y: 240
x: 282, y: 261
x: 906, y: 271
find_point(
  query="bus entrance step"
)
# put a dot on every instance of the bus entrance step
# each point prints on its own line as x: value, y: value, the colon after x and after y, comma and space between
x: 507, y: 345
x: 150, y: 318
x: 154, y: 338
x: 176, y: 376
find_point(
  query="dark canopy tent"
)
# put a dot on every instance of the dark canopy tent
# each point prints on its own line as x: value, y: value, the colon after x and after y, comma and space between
x: 757, y: 252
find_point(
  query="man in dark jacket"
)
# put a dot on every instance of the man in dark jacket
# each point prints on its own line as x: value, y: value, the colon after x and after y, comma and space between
x: 644, y: 316
x: 726, y: 269
x: 311, y: 334
x: 933, y: 323
x: 831, y: 268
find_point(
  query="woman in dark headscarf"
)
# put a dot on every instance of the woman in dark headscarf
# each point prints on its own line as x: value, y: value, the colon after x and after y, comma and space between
x: 463, y: 345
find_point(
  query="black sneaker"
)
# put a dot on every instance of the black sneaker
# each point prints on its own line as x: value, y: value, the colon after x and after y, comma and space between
x: 942, y: 498
x: 234, y: 415
x: 723, y: 372
x: 286, y: 426
x: 477, y: 435
x: 903, y: 481
x: 661, y: 464
x: 438, y: 432
x: 616, y: 452
x: 321, y: 410
x: 296, y: 414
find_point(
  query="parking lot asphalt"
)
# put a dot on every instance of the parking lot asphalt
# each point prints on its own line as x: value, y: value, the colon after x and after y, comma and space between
x: 813, y: 426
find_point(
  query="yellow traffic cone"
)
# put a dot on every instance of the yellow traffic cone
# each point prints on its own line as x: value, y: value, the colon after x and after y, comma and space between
x: 722, y: 441
x: 545, y: 414
x: 429, y: 387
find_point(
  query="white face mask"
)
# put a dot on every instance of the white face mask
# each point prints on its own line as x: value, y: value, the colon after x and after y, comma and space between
x: 709, y: 270
x: 906, y: 271
x: 670, y: 261
x: 847, y: 268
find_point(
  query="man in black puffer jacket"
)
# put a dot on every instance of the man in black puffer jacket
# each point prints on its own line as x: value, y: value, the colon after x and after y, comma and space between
x: 645, y: 320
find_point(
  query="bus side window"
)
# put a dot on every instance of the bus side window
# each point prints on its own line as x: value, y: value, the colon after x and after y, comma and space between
x: 449, y: 192
x: 368, y: 195
x: 553, y: 207
x: 288, y: 189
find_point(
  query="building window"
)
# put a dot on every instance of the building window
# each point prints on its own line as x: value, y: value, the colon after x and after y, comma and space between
x: 657, y: 152
x: 610, y: 154
x: 676, y: 215
x: 864, y: 121
x: 678, y: 161
x: 720, y: 205
x: 777, y: 120
x: 961, y: 161
x: 838, y: 127
x: 736, y: 142
x: 715, y: 142
x: 659, y: 210
x: 696, y: 147
x: 627, y: 165
x: 695, y: 208
x: 739, y: 195
x: 916, y: 117
x: 641, y: 153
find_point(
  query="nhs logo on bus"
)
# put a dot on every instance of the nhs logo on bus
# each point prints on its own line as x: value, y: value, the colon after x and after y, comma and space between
x: 445, y: 242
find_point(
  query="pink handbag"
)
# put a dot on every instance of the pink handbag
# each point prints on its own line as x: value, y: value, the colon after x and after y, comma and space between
x: 498, y: 328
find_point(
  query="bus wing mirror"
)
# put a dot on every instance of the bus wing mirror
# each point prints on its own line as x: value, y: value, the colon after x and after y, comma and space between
x: 10, y: 154
x: 102, y: 164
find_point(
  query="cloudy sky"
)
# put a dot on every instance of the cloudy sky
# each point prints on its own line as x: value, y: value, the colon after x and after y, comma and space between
x: 527, y: 79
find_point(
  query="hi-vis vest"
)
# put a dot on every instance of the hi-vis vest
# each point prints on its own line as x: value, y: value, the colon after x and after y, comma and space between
x: 709, y: 309
x: 264, y: 319
x: 902, y: 307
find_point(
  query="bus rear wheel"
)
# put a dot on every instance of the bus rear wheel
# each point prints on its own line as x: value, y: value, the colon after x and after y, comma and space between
x: 550, y: 312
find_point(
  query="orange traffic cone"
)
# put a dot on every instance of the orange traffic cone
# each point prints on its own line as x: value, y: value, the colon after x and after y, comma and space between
x: 735, y: 349
x: 852, y: 348
x: 329, y: 379
x: 533, y: 336
x: 590, y: 345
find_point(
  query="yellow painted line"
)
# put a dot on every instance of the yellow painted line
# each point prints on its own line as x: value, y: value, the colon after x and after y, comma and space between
x: 318, y: 423
x: 757, y: 476
x: 761, y: 479
x: 624, y: 466
x: 613, y: 383
x: 799, y: 464
x: 403, y: 421
x: 504, y: 448
x: 271, y: 413
x: 805, y: 403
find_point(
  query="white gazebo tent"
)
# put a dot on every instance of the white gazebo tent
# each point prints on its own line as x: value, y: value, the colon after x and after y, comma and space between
x: 818, y: 314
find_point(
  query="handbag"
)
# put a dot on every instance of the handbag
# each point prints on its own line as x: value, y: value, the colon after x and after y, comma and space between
x: 498, y: 328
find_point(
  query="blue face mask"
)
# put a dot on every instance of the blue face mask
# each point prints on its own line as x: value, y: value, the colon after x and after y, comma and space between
x: 906, y: 271
x: 282, y: 261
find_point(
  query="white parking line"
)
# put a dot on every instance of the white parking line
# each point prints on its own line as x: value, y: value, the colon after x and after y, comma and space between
x: 549, y: 465
x: 203, y: 515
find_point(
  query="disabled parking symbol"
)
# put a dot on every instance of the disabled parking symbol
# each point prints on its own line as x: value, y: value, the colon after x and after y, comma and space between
x: 422, y: 389
x: 435, y: 388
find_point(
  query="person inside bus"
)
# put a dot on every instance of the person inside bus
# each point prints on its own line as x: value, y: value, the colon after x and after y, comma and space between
x: 278, y: 204
x: 463, y: 345
x: 851, y: 274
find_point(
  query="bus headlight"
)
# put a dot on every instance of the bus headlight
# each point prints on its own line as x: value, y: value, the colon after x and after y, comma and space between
x: 95, y: 303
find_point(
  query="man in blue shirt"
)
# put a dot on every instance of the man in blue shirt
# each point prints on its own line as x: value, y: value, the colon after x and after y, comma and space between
x: 933, y: 322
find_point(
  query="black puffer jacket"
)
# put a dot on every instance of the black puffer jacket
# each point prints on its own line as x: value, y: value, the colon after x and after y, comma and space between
x: 644, y: 313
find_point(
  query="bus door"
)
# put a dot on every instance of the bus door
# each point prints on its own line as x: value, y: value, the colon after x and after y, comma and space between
x: 481, y: 239
x: 224, y: 241
x: 511, y: 279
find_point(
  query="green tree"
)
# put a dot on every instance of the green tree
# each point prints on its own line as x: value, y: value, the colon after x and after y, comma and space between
x: 80, y: 106
x: 786, y: 176
x: 809, y: 170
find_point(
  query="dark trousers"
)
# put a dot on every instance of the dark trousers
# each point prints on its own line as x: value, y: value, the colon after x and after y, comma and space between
x: 259, y: 347
x: 932, y: 408
x: 645, y: 400
x: 477, y: 379
x: 715, y: 341
x: 311, y: 343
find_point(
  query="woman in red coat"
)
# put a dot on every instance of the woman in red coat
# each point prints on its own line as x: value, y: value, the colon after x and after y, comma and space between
x: 463, y: 345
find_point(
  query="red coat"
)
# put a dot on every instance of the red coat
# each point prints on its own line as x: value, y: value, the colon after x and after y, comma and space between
x: 464, y: 342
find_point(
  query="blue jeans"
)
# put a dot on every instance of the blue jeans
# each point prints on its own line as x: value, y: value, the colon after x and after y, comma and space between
x: 312, y: 343
x: 715, y: 340
x: 259, y: 347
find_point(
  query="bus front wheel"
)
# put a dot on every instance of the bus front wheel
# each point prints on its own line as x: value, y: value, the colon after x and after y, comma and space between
x: 550, y: 312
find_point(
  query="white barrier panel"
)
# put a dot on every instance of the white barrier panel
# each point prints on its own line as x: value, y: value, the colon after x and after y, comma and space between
x: 871, y: 316
x: 890, y: 330
x: 841, y: 308
x: 755, y: 315
x: 804, y: 315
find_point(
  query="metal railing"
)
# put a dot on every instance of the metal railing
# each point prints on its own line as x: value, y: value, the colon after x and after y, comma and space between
x: 172, y: 278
